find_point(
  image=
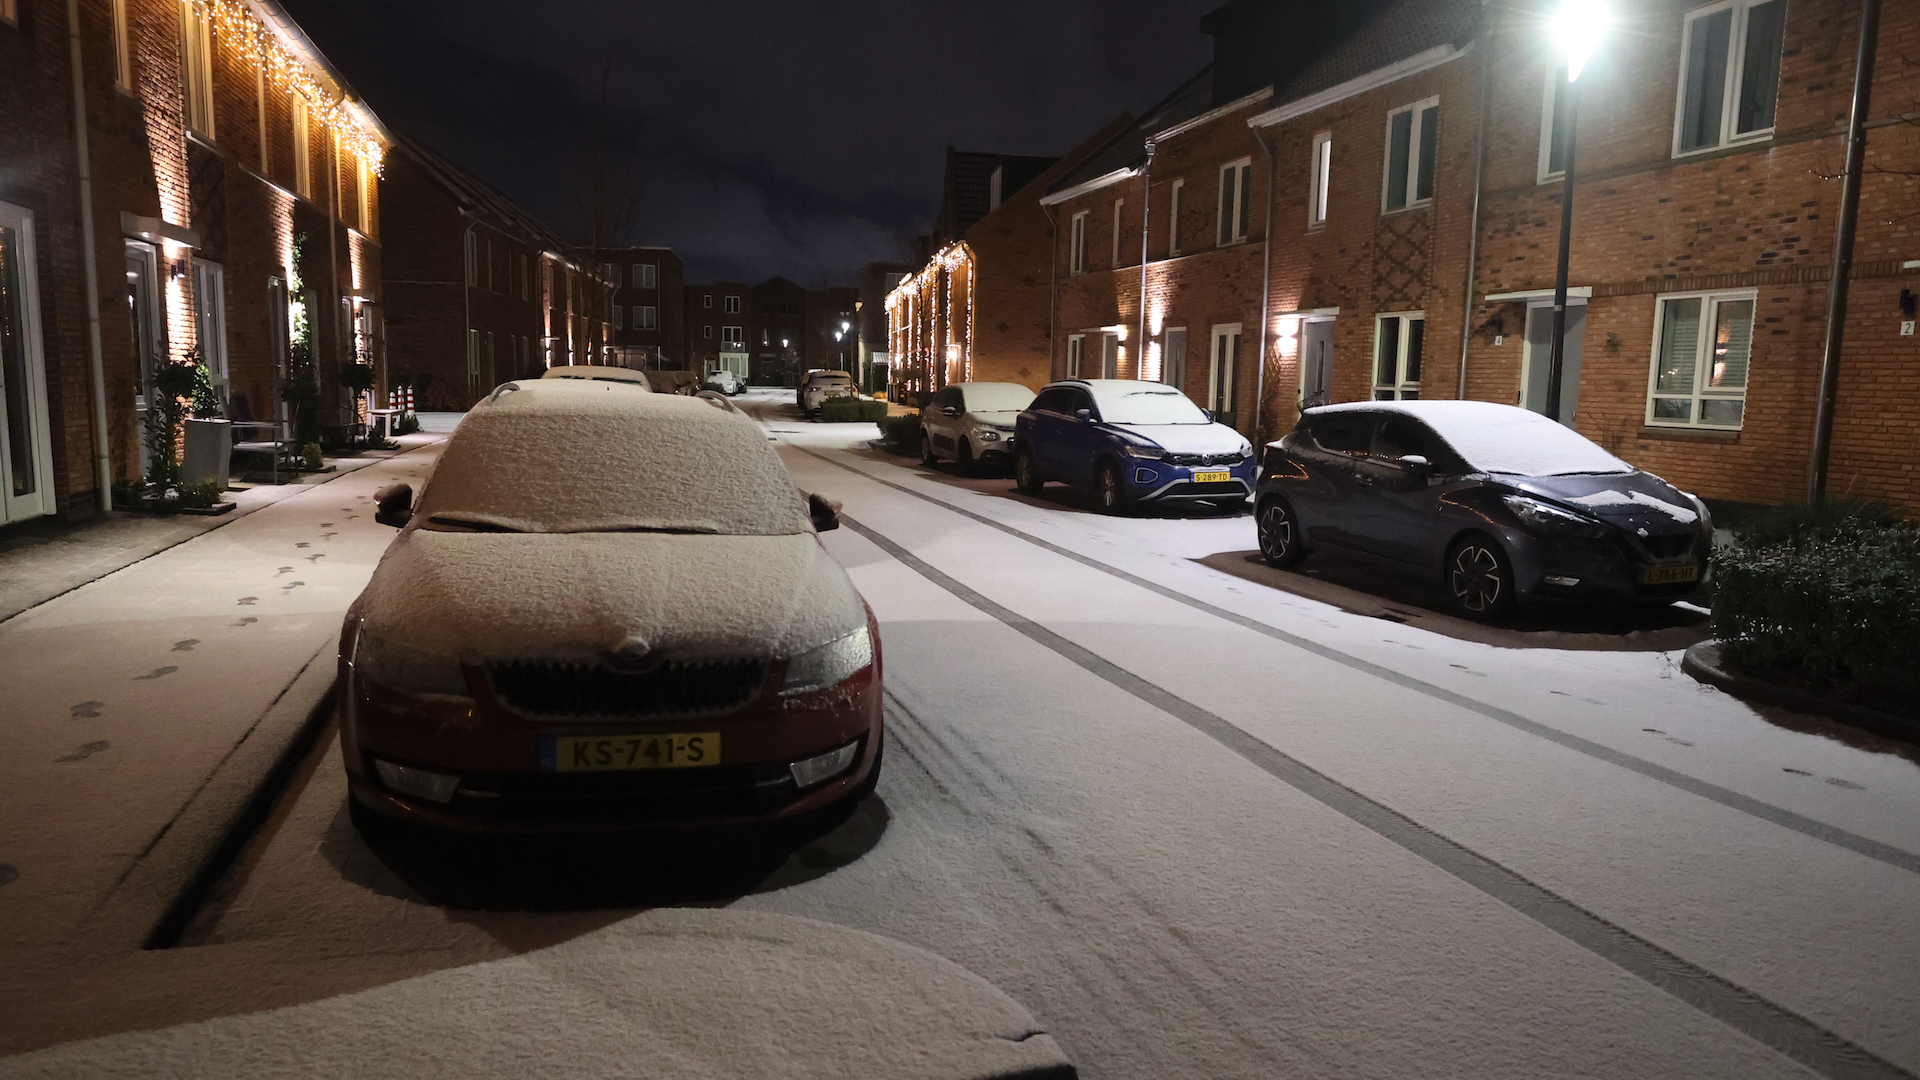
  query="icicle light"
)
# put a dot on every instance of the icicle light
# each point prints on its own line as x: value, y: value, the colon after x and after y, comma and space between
x: 240, y: 30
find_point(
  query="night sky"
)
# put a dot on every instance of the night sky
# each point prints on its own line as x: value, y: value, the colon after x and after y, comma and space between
x: 759, y: 138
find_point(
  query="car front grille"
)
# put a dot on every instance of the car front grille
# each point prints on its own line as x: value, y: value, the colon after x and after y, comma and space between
x: 1204, y: 459
x: 674, y: 688
x: 1667, y: 547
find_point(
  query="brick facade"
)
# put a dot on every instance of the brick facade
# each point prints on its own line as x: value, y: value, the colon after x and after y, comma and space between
x: 708, y: 322
x: 664, y: 344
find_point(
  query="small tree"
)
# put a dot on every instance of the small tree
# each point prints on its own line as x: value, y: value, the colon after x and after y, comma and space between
x: 174, y: 385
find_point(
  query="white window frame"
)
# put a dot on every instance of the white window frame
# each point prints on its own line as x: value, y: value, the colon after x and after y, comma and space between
x: 364, y: 205
x: 707, y: 331
x: 1709, y: 307
x: 1220, y: 394
x: 1319, y: 179
x: 1544, y: 171
x: 610, y: 275
x: 1416, y: 130
x: 731, y: 306
x: 1230, y: 224
x: 646, y: 317
x: 1173, y: 368
x: 210, y: 317
x: 1077, y: 244
x: 473, y: 259
x: 196, y: 69
x: 10, y: 12
x: 1076, y: 355
x: 122, y: 54
x: 706, y: 300
x: 734, y: 335
x: 1736, y: 75
x: 1119, y: 214
x: 1175, y: 191
x: 646, y: 276
x: 1401, y: 388
x: 303, y: 147
x: 473, y: 359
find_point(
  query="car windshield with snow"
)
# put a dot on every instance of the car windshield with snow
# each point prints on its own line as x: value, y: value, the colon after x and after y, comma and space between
x: 1132, y: 442
x: 545, y: 646
x: 1504, y: 504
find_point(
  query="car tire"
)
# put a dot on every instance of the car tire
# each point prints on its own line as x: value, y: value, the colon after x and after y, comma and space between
x: 1279, y: 533
x: 1479, y: 577
x: 926, y: 451
x: 1026, y: 473
x: 963, y: 459
x: 1110, y: 488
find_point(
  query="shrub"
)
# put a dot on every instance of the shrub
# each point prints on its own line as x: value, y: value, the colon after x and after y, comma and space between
x: 1827, y: 596
x: 407, y: 424
x: 847, y: 410
x: 202, y: 495
x: 311, y: 455
x: 901, y: 433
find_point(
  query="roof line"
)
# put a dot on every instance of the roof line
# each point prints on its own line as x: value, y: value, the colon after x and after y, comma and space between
x: 1095, y: 184
x: 1210, y: 115
x: 1372, y: 80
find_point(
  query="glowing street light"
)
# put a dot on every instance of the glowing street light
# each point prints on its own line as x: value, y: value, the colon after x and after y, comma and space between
x: 1577, y: 29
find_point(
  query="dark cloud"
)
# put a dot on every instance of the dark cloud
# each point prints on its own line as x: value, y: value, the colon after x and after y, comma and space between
x: 759, y: 138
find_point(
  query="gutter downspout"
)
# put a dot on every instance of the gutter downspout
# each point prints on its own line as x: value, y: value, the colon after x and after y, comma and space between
x: 1473, y: 236
x: 1266, y: 293
x: 1146, y: 225
x: 466, y: 307
x: 90, y: 265
x: 1053, y: 288
x: 1843, y: 252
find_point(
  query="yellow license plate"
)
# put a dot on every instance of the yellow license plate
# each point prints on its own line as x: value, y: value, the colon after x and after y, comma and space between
x: 1667, y: 575
x: 606, y: 753
x: 1212, y: 476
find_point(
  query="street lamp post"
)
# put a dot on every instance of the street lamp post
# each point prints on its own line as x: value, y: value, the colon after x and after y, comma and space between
x: 1577, y: 28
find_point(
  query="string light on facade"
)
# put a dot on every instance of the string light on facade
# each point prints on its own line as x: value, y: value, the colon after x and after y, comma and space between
x: 240, y: 30
x: 930, y: 321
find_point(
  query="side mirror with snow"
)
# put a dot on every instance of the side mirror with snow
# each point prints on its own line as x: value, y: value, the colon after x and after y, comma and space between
x: 393, y: 505
x: 1208, y: 413
x: 825, y: 513
x: 1413, y: 461
x: 1083, y: 414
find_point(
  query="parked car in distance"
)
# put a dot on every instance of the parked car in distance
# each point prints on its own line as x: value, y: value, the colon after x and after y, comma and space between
x: 1503, y: 504
x: 725, y: 381
x: 1132, y: 442
x: 819, y: 385
x: 598, y: 373
x: 972, y: 423
x: 541, y: 648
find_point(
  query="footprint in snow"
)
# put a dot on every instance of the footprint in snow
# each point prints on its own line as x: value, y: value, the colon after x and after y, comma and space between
x: 316, y: 557
x: 1593, y: 701
x: 1468, y: 670
x: 289, y: 587
x: 1848, y: 784
x: 185, y: 646
x: 248, y: 601
x: 1796, y: 772
x: 86, y: 710
x: 326, y: 524
x: 85, y: 752
x: 156, y: 673
x: 283, y: 570
x: 328, y: 535
x: 1562, y: 693
x: 247, y: 621
x: 303, y: 544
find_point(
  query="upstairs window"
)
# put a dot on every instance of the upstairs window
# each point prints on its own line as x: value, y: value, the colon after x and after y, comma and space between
x: 706, y: 301
x: 1077, y: 245
x: 364, y: 185
x: 1398, y: 341
x: 10, y: 12
x: 1703, y: 346
x: 1413, y: 138
x: 1119, y: 216
x: 1320, y: 166
x: 732, y: 305
x: 646, y: 318
x: 645, y: 275
x: 733, y: 335
x: 1233, y: 201
x: 303, y: 155
x: 1173, y: 217
x: 196, y: 67
x: 890, y: 282
x: 1729, y: 74
x: 1555, y: 126
x: 620, y: 318
x: 610, y: 275
x: 122, y: 55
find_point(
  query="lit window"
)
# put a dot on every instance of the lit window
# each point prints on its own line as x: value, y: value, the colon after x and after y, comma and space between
x: 1412, y: 141
x: 1077, y: 245
x: 1703, y: 346
x: 303, y: 156
x: 366, y: 195
x: 122, y: 55
x: 1555, y: 126
x: 1321, y: 164
x: 1233, y: 201
x: 1396, y: 355
x: 196, y: 67
x: 1730, y: 74
x: 1173, y: 217
x: 1119, y: 212
x: 645, y: 318
x: 644, y: 275
x: 10, y: 12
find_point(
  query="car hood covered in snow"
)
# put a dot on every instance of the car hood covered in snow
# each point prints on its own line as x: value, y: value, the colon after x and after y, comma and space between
x: 578, y: 596
x: 1635, y: 501
x: 1187, y: 438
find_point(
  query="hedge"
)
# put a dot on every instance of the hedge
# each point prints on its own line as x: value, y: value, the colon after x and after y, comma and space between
x: 842, y: 410
x: 901, y: 433
x: 1825, y: 599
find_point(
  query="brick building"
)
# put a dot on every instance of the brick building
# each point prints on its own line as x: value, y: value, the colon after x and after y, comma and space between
x: 717, y: 319
x: 777, y: 332
x: 226, y: 211
x: 875, y: 353
x: 478, y: 290
x: 832, y: 331
x: 647, y: 305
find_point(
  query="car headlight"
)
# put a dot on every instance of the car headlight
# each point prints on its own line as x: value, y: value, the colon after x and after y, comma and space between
x: 827, y: 665
x: 1152, y: 452
x: 988, y: 435
x: 1700, y: 507
x: 1551, y: 519
x: 407, y: 669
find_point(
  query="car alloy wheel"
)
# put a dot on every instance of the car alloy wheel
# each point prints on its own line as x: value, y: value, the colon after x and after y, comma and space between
x: 1026, y: 474
x: 926, y: 452
x: 1279, y: 536
x: 1111, y: 488
x: 1479, y: 577
x: 963, y: 459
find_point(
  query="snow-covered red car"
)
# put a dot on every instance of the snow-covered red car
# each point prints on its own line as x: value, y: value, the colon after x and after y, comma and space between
x: 541, y: 647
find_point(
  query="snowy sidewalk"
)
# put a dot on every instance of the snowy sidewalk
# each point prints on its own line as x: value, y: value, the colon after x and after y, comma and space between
x: 143, y: 709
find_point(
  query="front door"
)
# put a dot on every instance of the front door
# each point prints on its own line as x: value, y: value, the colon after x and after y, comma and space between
x: 1539, y: 352
x: 148, y: 330
x: 1173, y: 366
x: 210, y: 319
x: 1316, y: 363
x: 1223, y: 367
x: 26, y: 468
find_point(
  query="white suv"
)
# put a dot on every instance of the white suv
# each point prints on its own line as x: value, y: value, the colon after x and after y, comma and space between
x: 817, y: 386
x: 725, y: 381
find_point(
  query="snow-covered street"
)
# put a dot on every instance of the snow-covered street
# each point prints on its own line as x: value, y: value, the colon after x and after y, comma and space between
x: 1196, y: 825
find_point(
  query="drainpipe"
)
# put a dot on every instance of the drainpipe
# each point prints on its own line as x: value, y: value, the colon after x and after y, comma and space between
x: 1053, y: 288
x: 1480, y: 37
x: 1843, y: 252
x: 466, y: 305
x: 1266, y: 294
x: 90, y: 265
x: 1146, y: 223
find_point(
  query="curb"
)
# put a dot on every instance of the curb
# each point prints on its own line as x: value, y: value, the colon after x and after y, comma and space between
x: 1702, y: 661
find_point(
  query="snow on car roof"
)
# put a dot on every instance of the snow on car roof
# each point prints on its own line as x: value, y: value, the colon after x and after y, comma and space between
x: 1499, y: 438
x: 598, y: 372
x: 582, y: 456
x: 995, y: 396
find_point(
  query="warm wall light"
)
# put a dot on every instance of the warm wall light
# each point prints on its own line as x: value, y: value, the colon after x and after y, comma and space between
x: 1287, y: 327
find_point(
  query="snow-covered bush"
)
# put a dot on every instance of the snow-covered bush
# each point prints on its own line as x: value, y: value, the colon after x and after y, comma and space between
x: 842, y: 410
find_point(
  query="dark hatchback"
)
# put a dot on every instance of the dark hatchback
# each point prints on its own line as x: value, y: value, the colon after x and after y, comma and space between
x: 1504, y: 504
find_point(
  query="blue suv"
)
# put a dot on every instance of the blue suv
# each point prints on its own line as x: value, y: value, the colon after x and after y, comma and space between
x: 1132, y: 442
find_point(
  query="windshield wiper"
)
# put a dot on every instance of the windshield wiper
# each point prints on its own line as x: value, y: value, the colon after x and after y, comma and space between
x: 677, y: 530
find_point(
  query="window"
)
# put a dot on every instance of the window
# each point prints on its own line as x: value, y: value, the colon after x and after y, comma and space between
x: 196, y: 67
x: 1702, y: 348
x: 365, y: 206
x: 473, y: 259
x: 1173, y: 364
x: 526, y: 284
x: 1555, y: 126
x: 10, y: 12
x: 733, y: 335
x: 1223, y: 370
x: 645, y: 318
x: 1233, y: 201
x: 303, y: 155
x: 1077, y: 245
x: 610, y: 275
x: 732, y: 305
x: 645, y: 275
x: 486, y: 262
x: 707, y: 331
x: 1412, y: 142
x: 1076, y: 350
x: 1119, y: 213
x: 892, y: 282
x: 620, y: 318
x: 473, y: 359
x: 1396, y: 356
x: 490, y: 364
x: 1173, y: 217
x: 1320, y: 165
x: 706, y: 300
x: 1402, y: 436
x: 122, y: 55
x: 1729, y: 74
x: 1343, y: 432
x: 210, y: 319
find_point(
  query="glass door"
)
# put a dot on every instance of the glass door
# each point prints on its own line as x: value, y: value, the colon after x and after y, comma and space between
x: 1316, y: 363
x: 210, y: 318
x: 26, y: 469
x: 1537, y: 355
x: 1222, y: 369
x: 148, y: 331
